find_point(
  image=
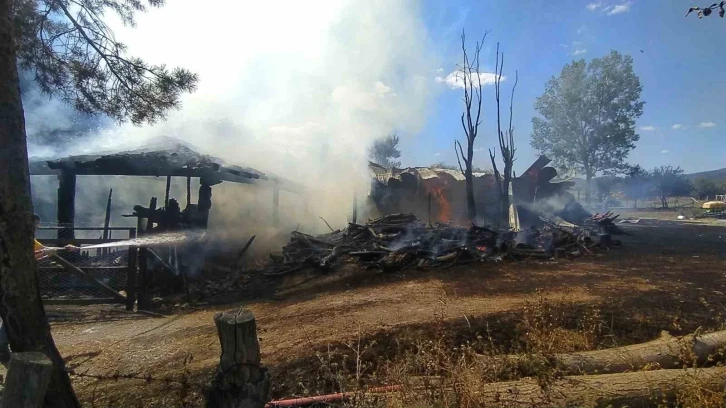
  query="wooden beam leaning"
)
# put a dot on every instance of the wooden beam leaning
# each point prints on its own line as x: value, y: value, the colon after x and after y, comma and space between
x: 88, y: 278
x: 66, y: 205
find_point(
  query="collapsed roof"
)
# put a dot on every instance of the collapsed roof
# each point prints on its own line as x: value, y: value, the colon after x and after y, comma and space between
x: 409, y: 189
x: 161, y: 157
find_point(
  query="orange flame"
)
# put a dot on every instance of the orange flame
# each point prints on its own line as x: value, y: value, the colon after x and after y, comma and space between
x: 444, y: 213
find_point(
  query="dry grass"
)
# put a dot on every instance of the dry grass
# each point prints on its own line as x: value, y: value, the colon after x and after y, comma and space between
x: 444, y: 328
x: 436, y: 372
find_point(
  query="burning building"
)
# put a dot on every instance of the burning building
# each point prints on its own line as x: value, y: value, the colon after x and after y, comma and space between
x: 168, y: 159
x: 436, y: 194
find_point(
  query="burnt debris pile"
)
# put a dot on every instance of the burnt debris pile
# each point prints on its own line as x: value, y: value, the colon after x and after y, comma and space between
x: 400, y: 241
x: 605, y: 222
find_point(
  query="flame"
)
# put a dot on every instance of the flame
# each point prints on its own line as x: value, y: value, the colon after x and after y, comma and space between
x: 444, y: 213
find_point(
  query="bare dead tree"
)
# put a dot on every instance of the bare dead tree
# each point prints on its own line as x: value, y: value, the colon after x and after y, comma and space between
x: 506, y: 141
x: 468, y: 72
x: 707, y: 11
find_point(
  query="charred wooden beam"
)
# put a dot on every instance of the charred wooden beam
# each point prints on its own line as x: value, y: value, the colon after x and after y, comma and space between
x: 166, y: 191
x: 204, y: 203
x: 66, y: 205
x: 189, y: 191
x: 131, y: 277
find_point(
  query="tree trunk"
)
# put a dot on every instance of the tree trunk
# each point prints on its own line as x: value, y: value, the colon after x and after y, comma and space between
x: 665, y: 352
x: 21, y: 307
x: 588, y: 189
x: 470, y: 203
x: 635, y: 389
x: 504, y: 200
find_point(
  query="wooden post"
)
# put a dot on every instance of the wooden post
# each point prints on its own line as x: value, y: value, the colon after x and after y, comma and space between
x: 355, y: 209
x: 28, y: 378
x: 66, y: 213
x: 240, y: 381
x: 189, y: 191
x: 107, y: 220
x: 275, y: 205
x: 166, y: 193
x: 131, y: 278
x: 152, y: 215
x: 143, y: 295
x: 204, y: 203
x: 131, y: 273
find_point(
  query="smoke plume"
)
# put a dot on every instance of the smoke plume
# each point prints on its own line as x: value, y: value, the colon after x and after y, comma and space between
x: 296, y: 89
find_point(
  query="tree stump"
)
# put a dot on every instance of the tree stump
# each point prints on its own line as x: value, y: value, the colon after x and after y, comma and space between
x: 240, y: 381
x: 28, y: 379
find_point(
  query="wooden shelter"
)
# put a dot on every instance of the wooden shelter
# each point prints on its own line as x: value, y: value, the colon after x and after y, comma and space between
x: 166, y: 157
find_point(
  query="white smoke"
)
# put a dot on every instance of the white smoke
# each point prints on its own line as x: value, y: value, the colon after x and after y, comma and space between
x: 297, y: 89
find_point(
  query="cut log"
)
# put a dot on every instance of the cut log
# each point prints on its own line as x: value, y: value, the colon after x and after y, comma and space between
x: 636, y: 389
x: 665, y: 352
x: 240, y: 381
x: 28, y: 379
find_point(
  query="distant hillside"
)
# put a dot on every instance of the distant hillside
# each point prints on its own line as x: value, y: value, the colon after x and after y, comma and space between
x: 715, y: 175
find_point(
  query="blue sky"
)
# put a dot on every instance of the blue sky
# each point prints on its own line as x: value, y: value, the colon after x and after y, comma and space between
x: 681, y: 70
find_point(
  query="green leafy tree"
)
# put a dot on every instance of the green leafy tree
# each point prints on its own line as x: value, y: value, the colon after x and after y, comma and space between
x: 384, y: 151
x: 605, y: 186
x: 73, y: 54
x: 668, y: 182
x: 587, y: 115
x: 637, y: 184
x: 703, y: 187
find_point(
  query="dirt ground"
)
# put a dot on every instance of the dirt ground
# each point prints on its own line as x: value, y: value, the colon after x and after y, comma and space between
x: 665, y: 276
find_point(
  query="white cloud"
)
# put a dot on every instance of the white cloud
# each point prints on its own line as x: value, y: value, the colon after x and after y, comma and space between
x: 455, y: 79
x: 620, y: 8
x: 706, y: 125
x: 594, y: 6
x: 440, y: 70
x: 581, y: 30
x: 677, y: 126
x: 564, y: 45
x: 664, y: 151
x: 381, y: 88
x: 609, y: 10
x: 580, y: 51
x: 648, y: 128
x: 437, y: 154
